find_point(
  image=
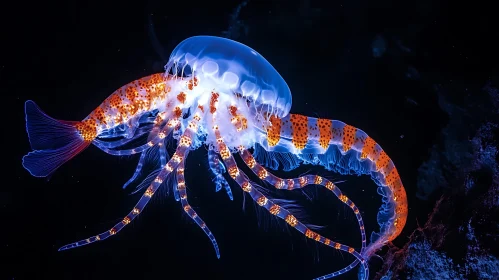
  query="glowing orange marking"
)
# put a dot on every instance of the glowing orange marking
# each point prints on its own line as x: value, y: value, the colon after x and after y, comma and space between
x: 325, y: 132
x: 99, y: 114
x: 233, y: 172
x: 114, y: 100
x: 181, y: 97
x: 399, y: 195
x: 310, y: 234
x: 317, y: 180
x: 213, y: 102
x: 87, y: 129
x: 233, y: 110
x: 262, y: 173
x: 149, y: 192
x: 279, y: 184
x: 291, y: 220
x: 348, y: 137
x: 329, y: 185
x: 382, y: 160
x: 185, y: 141
x: 131, y: 92
x: 275, y: 209
x: 246, y: 186
x: 192, y: 83
x: 368, y: 149
x: 177, y: 112
x: 262, y: 200
x: 303, y: 181
x: 299, y: 125
x: 274, y: 131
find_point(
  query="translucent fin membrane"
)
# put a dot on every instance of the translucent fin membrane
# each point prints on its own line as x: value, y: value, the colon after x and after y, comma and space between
x: 54, y: 142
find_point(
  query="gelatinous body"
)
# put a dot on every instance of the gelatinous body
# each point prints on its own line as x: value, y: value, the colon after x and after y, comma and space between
x: 233, y: 67
x: 222, y: 94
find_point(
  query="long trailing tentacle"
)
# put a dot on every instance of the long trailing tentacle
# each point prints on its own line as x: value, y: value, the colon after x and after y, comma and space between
x: 301, y: 182
x: 181, y: 188
x: 145, y: 157
x: 277, y: 210
x: 184, y: 143
x: 218, y: 170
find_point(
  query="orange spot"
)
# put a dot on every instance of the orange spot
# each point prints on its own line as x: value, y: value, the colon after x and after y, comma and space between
x: 299, y: 130
x: 382, y: 161
x: 274, y: 131
x: 239, y: 122
x: 310, y: 234
x: 368, y: 149
x: 329, y: 185
x: 177, y: 112
x: 87, y: 129
x: 393, y: 180
x: 115, y: 99
x: 131, y: 92
x: 325, y: 132
x: 275, y: 209
x: 181, y: 97
x: 291, y: 220
x: 99, y: 114
x: 213, y: 102
x: 233, y: 110
x: 192, y: 83
x: 348, y: 137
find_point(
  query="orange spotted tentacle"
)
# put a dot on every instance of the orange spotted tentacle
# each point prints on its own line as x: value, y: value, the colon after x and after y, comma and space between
x: 276, y: 210
x: 181, y: 188
x: 176, y: 159
x: 301, y: 182
x: 316, y: 136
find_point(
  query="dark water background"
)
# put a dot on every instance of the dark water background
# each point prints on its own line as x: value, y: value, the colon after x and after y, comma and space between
x: 419, y: 77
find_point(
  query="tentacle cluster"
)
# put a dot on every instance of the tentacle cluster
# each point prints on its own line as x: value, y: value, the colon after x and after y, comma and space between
x: 230, y: 109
